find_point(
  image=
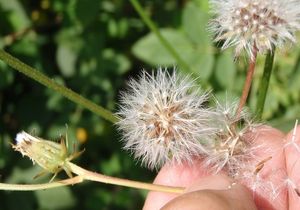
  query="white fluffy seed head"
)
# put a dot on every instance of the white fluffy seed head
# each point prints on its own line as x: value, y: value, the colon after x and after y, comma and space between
x: 164, y: 118
x: 233, y: 146
x: 262, y: 24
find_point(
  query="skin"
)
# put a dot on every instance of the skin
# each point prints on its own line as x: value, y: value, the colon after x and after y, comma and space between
x: 205, y: 191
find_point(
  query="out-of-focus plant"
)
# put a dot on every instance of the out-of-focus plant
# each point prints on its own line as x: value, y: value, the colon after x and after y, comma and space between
x: 91, y: 47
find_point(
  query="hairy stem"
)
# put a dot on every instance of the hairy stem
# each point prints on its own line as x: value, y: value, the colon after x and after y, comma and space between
x: 93, y: 176
x: 264, y: 83
x: 151, y: 25
x: 84, y: 174
x: 46, y: 81
x: 248, y: 82
x: 33, y: 187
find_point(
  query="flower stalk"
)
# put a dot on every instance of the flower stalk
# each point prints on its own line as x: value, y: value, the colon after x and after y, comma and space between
x: 97, y: 177
x: 264, y: 83
x: 83, y: 175
x: 50, y: 83
x: 248, y: 82
x: 33, y: 187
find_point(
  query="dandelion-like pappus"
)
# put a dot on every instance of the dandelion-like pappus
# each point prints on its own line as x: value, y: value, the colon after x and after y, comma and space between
x: 164, y: 118
x: 232, y: 147
x: 258, y: 24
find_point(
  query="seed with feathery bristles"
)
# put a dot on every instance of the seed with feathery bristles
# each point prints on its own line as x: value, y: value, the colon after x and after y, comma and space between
x: 164, y: 118
x: 262, y: 24
x: 232, y: 146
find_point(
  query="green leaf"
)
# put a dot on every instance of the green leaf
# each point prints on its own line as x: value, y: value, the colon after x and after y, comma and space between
x: 195, y: 23
x: 66, y: 59
x: 18, y: 16
x: 150, y: 50
x: 202, y: 63
x: 225, y: 70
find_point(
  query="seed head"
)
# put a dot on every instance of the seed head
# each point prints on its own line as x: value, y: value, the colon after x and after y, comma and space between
x: 164, y: 118
x: 260, y: 24
x: 232, y: 147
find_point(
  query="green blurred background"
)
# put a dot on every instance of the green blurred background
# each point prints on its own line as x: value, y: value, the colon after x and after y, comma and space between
x: 93, y: 47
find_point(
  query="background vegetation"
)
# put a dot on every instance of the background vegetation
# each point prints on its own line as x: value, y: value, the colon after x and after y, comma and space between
x: 93, y: 47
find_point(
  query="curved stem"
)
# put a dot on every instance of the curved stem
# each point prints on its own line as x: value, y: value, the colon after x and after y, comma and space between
x: 93, y: 176
x: 248, y: 82
x: 83, y: 174
x: 264, y: 83
x: 151, y: 25
x: 32, y: 187
x: 46, y: 81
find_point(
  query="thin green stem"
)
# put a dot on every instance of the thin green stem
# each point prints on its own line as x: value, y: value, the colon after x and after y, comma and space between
x: 264, y: 83
x: 151, y: 25
x: 46, y: 81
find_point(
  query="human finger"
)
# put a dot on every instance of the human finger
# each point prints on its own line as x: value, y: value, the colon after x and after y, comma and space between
x: 214, y: 193
x: 292, y: 151
x: 173, y: 175
x: 268, y: 169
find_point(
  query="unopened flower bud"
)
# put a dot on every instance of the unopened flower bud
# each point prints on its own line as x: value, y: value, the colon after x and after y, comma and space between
x: 52, y: 157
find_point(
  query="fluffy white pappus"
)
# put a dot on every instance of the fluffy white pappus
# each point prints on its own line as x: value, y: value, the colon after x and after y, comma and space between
x: 250, y: 24
x: 234, y: 144
x: 23, y: 136
x: 265, y: 179
x: 23, y: 142
x: 164, y: 118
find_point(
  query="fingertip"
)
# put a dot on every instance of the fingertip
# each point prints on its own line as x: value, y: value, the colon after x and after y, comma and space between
x: 213, y: 192
x: 212, y: 182
x: 268, y: 134
x: 179, y: 175
x: 292, y: 151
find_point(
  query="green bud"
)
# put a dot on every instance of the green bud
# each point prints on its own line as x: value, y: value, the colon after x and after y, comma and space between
x: 51, y: 156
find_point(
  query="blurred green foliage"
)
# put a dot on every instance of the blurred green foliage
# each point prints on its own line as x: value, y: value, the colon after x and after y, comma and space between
x: 93, y: 47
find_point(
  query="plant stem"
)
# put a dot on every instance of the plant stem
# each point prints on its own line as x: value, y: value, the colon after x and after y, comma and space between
x: 46, y: 81
x: 264, y: 83
x: 84, y: 174
x: 151, y: 25
x: 248, y: 82
x: 32, y: 187
x: 92, y: 176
